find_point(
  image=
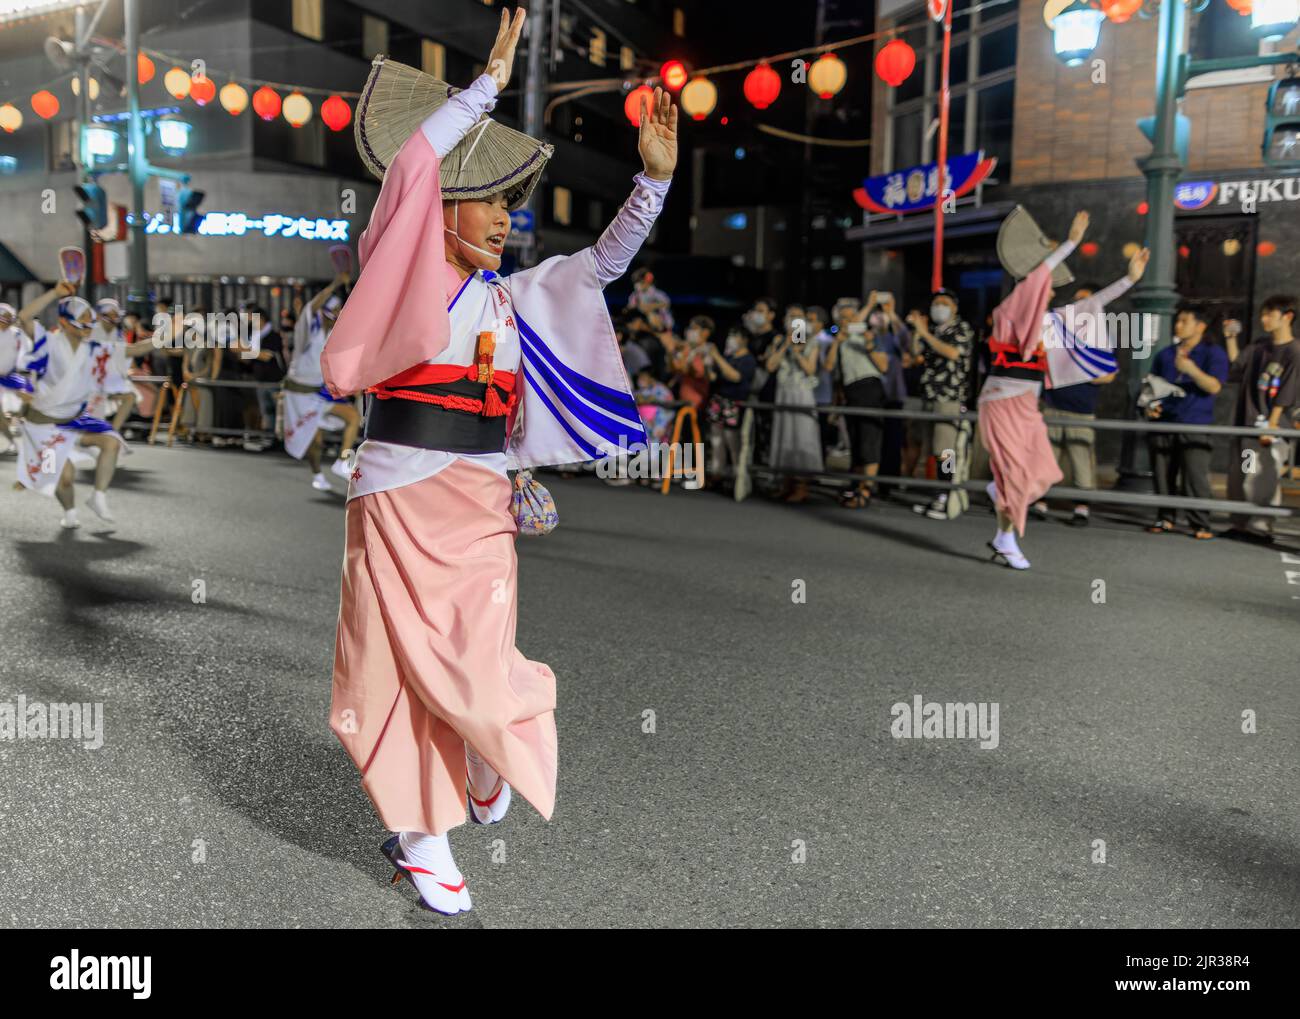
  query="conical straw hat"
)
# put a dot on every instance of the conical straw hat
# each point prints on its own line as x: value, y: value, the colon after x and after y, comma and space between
x: 394, y: 104
x: 1022, y: 246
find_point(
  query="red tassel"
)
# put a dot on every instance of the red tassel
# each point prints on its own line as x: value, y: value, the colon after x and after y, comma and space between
x: 492, y: 405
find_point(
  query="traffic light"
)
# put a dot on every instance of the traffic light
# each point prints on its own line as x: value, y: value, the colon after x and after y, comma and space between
x: 187, y: 209
x: 94, y: 205
x: 1282, y: 123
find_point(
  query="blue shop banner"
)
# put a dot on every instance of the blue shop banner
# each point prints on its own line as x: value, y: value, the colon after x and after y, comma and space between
x: 917, y: 187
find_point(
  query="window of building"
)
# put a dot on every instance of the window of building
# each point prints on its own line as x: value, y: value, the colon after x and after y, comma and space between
x: 374, y: 35
x: 433, y: 58
x: 561, y: 205
x: 596, y: 48
x: 981, y: 72
x: 679, y: 21
x: 595, y: 215
x: 626, y: 58
x: 309, y: 19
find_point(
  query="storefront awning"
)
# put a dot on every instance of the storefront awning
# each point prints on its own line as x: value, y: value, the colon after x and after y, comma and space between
x: 968, y: 222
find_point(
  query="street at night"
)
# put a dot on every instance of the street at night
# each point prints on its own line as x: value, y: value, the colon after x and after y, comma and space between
x: 650, y: 464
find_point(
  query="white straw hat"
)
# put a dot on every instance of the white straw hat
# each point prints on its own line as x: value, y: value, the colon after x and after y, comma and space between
x: 1022, y: 246
x: 491, y: 158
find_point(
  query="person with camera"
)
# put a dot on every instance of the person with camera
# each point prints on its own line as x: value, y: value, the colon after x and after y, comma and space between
x: 862, y: 368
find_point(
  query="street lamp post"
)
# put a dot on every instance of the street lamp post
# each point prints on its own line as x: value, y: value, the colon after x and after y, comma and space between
x: 1156, y: 295
x: 137, y: 295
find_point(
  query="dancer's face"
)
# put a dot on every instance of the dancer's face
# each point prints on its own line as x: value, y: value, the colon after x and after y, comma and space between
x: 80, y: 329
x: 485, y: 225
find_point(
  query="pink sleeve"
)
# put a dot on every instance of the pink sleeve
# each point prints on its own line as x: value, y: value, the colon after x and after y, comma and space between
x: 394, y: 318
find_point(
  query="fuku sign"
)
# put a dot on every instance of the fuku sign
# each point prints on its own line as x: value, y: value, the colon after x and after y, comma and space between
x: 1200, y: 194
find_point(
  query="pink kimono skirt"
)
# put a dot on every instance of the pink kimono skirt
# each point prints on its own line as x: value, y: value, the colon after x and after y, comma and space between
x: 425, y: 659
x: 1024, y: 465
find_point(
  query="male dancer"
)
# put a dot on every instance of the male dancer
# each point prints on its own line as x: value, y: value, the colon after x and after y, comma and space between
x: 1011, y: 425
x: 309, y: 408
x: 112, y: 367
x: 54, y: 421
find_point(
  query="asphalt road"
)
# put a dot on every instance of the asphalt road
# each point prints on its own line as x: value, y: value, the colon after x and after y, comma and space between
x: 771, y: 791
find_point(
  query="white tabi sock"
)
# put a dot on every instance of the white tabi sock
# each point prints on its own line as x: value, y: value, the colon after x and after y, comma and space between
x: 432, y: 853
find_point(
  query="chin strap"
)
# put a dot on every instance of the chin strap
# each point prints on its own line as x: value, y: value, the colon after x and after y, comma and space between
x: 455, y: 232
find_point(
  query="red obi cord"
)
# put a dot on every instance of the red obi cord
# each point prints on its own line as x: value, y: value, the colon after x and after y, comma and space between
x: 1002, y: 360
x: 432, y: 374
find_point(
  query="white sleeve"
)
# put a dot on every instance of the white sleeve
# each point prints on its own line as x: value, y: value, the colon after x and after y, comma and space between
x: 624, y: 236
x: 1059, y: 255
x: 450, y: 122
x: 1113, y: 292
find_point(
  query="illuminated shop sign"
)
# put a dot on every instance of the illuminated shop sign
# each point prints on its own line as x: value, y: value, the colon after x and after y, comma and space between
x: 917, y: 187
x: 1192, y: 195
x: 241, y: 224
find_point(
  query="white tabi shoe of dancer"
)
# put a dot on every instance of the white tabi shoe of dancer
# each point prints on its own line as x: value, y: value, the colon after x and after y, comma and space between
x: 320, y: 482
x: 1007, y: 552
x: 425, y: 861
x: 481, y: 775
x: 70, y: 519
x: 99, y: 503
x: 342, y: 468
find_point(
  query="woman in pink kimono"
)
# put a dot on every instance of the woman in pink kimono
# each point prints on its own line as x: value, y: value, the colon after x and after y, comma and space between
x: 468, y: 374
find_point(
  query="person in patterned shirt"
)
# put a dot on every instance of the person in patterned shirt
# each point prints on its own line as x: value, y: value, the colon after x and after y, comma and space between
x: 946, y: 340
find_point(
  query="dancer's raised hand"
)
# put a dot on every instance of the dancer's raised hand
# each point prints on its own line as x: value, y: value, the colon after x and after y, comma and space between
x: 1137, y: 265
x: 658, y: 141
x: 502, y: 58
x: 1080, y: 226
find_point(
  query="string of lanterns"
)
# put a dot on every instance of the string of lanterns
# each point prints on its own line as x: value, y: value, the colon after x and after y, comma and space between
x: 335, y: 111
x: 826, y: 75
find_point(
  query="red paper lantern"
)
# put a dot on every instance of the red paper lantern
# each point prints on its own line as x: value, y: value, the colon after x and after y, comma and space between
x: 1242, y: 6
x: 1143, y: 208
x: 336, y: 113
x: 202, y: 91
x: 1089, y: 249
x: 632, y: 104
x: 1266, y: 248
x: 673, y: 74
x: 1184, y: 251
x: 45, y: 104
x: 762, y: 86
x: 1119, y: 11
x: 895, y: 62
x: 144, y: 69
x: 266, y: 103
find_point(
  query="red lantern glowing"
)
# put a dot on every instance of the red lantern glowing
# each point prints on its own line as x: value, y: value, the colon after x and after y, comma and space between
x: 1242, y: 6
x: 1143, y: 208
x: 673, y: 74
x: 1119, y: 11
x: 762, y: 86
x: 1265, y: 248
x: 45, y: 104
x: 1184, y: 251
x: 144, y: 69
x: 336, y: 113
x: 266, y: 103
x: 1089, y: 249
x: 632, y: 104
x: 203, y: 91
x: 895, y: 62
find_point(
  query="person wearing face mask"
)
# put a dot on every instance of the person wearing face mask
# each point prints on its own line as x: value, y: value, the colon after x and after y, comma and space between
x: 892, y: 338
x: 310, y: 409
x: 796, y: 435
x: 861, y: 369
x: 734, y: 371
x: 469, y: 374
x: 947, y: 341
x: 54, y: 421
x: 691, y: 363
x: 647, y: 297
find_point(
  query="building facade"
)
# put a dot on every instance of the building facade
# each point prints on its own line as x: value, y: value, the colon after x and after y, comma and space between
x: 1067, y: 138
